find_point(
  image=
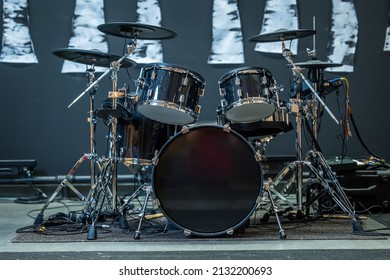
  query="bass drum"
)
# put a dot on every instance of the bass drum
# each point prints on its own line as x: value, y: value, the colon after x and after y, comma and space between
x: 207, y: 180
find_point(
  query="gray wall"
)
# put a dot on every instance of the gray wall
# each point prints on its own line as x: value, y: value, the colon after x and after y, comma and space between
x: 36, y: 123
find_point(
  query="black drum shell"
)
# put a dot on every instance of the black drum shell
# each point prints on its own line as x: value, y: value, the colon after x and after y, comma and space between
x: 207, y: 180
x: 248, y: 93
x: 169, y: 93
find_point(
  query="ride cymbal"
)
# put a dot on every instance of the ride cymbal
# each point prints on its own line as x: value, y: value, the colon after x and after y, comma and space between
x: 136, y: 30
x: 91, y: 57
x: 282, y: 34
x: 314, y: 63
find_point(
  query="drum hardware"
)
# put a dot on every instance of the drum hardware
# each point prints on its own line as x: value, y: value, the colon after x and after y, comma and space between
x: 66, y: 183
x: 125, y: 131
x: 169, y: 93
x: 100, y: 190
x: 114, y: 95
x: 268, y: 187
x: 93, y: 58
x: 148, y: 190
x: 320, y: 170
x: 90, y: 58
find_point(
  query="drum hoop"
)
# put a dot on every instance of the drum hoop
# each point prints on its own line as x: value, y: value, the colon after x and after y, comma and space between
x: 249, y: 100
x: 170, y: 105
x: 245, y: 70
x: 176, y: 68
x: 187, y: 129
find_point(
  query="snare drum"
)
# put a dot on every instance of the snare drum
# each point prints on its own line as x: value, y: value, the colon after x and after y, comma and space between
x: 207, y: 180
x: 248, y: 94
x: 169, y: 93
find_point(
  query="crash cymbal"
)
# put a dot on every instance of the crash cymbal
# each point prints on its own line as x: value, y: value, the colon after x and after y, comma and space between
x: 136, y: 30
x: 315, y: 63
x: 91, y: 57
x: 282, y: 34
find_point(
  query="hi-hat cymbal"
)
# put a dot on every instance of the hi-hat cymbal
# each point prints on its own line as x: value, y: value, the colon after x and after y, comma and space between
x: 91, y: 57
x: 282, y: 34
x: 136, y: 30
x: 315, y: 63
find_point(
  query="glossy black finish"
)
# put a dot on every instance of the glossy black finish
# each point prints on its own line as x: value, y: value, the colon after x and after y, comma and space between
x: 91, y: 57
x: 167, y: 91
x: 249, y: 93
x: 207, y: 180
x: 138, y: 138
x: 136, y: 30
x: 282, y: 34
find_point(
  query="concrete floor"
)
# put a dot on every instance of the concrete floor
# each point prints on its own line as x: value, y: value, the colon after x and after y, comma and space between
x: 16, y: 215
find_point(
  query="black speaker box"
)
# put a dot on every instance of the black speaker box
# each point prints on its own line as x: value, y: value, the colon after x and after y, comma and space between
x: 367, y: 189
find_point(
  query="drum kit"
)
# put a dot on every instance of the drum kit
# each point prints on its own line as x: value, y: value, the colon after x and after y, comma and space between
x: 206, y: 179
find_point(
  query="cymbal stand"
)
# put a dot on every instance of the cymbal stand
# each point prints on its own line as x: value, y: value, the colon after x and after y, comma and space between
x: 323, y: 174
x: 313, y: 108
x: 92, y: 156
x: 114, y: 160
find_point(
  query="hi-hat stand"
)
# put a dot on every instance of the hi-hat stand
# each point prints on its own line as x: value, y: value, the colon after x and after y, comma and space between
x: 320, y: 170
x: 314, y: 160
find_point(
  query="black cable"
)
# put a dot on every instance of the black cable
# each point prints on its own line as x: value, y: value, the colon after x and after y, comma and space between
x: 360, y: 138
x: 313, y: 139
x: 341, y: 136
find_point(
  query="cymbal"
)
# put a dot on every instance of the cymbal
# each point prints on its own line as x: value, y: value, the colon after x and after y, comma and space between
x: 136, y: 30
x: 282, y: 34
x: 91, y: 57
x: 314, y: 63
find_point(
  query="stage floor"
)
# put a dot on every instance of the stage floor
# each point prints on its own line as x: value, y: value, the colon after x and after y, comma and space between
x: 15, y: 216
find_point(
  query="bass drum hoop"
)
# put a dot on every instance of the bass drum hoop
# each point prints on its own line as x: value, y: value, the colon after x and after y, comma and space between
x: 249, y: 188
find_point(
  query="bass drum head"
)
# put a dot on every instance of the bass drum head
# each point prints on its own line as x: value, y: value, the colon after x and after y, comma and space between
x: 207, y: 180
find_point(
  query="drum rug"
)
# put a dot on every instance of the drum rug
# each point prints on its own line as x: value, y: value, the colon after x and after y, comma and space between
x: 160, y: 230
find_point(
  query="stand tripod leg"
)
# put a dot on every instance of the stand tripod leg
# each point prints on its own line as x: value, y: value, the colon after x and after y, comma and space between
x: 282, y: 234
x: 123, y: 224
x: 65, y: 182
x: 148, y: 190
x: 101, y: 199
x: 332, y: 186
